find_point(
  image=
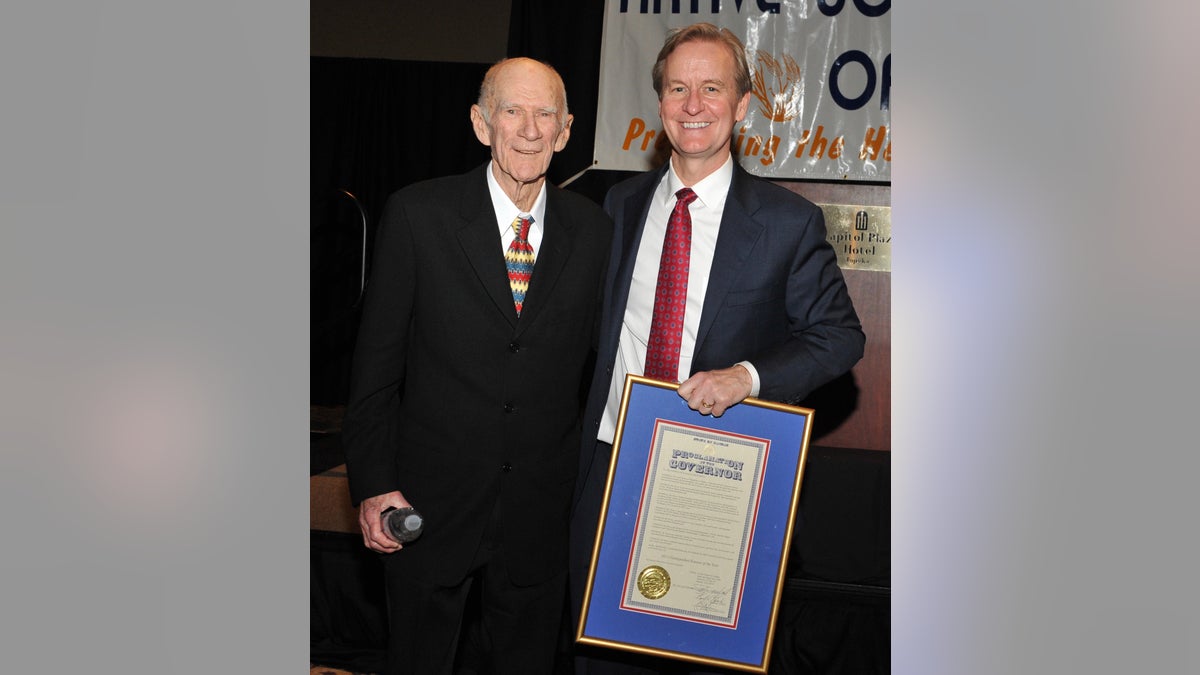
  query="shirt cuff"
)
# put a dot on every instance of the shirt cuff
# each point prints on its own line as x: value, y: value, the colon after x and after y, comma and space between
x: 755, y: 383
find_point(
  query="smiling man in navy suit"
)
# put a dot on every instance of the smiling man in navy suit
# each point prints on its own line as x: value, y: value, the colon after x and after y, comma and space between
x: 766, y: 311
x: 464, y: 403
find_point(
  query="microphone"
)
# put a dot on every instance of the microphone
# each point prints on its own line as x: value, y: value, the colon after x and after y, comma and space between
x: 403, y: 525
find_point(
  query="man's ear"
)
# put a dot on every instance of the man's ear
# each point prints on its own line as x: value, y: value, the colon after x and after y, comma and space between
x: 563, y: 136
x: 482, y: 132
x: 743, y: 107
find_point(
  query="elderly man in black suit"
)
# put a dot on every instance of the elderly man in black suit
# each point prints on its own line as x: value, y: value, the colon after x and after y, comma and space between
x: 464, y: 403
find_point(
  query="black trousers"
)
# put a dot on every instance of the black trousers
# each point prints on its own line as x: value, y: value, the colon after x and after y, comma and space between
x: 584, y: 519
x: 518, y: 626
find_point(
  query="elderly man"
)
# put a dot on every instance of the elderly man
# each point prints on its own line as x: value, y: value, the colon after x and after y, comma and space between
x: 464, y: 399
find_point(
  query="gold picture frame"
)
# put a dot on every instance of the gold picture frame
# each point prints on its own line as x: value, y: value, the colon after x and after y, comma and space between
x: 695, y: 528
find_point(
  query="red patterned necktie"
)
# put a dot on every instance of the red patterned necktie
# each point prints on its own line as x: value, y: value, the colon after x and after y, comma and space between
x: 519, y: 261
x: 670, y: 296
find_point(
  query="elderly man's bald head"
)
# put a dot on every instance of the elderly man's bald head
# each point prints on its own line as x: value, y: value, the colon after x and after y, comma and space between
x: 523, y: 68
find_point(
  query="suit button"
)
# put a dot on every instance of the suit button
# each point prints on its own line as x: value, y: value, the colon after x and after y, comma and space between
x: 506, y: 467
x: 514, y: 347
x: 508, y: 407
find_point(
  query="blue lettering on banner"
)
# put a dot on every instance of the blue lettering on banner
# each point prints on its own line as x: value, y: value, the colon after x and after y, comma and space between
x: 834, y: 7
x: 645, y: 7
x: 856, y: 102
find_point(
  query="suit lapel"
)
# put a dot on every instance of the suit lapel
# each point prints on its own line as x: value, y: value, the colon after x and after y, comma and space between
x: 479, y: 237
x: 738, y: 234
x: 631, y: 217
x: 557, y: 234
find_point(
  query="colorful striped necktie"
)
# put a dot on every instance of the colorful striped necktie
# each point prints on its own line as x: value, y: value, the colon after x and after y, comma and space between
x: 519, y: 260
x: 670, y: 296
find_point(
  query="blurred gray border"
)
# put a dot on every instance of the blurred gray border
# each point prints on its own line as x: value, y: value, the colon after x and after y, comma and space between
x: 154, y: 198
x: 1044, y: 321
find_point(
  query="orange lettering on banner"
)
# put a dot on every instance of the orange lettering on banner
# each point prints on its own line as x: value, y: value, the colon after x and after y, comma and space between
x: 637, y: 127
x: 820, y: 144
x: 835, y: 150
x: 755, y: 145
x: 813, y: 143
x: 769, y: 151
x: 873, y: 143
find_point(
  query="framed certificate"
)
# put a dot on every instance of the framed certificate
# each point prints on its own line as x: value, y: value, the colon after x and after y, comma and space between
x: 695, y: 528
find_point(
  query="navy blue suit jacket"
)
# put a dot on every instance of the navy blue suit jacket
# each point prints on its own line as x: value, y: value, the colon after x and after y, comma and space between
x: 775, y: 296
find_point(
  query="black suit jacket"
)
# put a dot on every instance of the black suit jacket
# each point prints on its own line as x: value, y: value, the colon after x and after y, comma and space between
x: 457, y: 402
x: 775, y: 295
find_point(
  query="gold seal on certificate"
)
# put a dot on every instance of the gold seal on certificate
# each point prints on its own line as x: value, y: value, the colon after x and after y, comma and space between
x: 653, y: 582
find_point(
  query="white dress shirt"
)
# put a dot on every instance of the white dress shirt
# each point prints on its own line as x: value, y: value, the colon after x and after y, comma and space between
x: 507, y: 212
x: 706, y: 213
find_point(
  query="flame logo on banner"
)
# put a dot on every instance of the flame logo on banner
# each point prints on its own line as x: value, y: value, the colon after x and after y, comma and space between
x: 782, y: 98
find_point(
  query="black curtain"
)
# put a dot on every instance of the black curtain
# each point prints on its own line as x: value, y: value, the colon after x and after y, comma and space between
x: 376, y: 126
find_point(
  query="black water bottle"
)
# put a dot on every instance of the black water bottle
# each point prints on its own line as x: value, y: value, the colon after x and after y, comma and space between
x: 403, y: 525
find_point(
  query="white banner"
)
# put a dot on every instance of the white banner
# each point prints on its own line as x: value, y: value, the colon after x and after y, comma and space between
x: 821, y: 71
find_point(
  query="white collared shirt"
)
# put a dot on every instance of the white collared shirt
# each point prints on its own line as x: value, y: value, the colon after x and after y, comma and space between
x: 507, y: 212
x: 706, y: 212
